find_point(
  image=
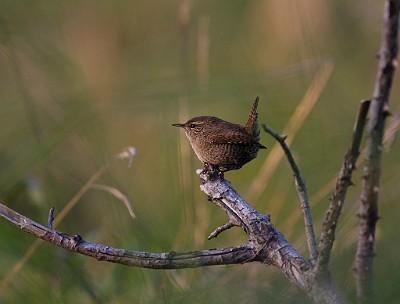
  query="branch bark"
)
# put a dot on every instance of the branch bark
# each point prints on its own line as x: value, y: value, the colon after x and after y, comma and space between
x: 337, y: 201
x: 301, y: 190
x: 379, y: 110
x: 271, y: 246
x: 266, y: 244
x: 166, y: 260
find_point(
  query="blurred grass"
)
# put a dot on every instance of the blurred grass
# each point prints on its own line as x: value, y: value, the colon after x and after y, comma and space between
x: 78, y: 82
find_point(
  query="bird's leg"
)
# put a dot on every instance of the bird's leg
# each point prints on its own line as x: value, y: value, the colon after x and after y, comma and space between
x: 212, y: 171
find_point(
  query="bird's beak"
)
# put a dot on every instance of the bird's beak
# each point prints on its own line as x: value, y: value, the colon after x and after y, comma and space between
x: 178, y: 125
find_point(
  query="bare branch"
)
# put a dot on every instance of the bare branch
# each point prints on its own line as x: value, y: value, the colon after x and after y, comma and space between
x: 266, y: 244
x: 379, y: 110
x: 301, y: 190
x: 271, y: 246
x: 338, y: 197
x: 50, y: 218
x: 220, y: 229
x: 166, y: 260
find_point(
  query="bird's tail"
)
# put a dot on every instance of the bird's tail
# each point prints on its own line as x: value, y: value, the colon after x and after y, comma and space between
x: 252, y: 121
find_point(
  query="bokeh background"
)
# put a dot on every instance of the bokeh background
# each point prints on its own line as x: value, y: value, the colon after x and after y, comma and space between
x: 81, y: 80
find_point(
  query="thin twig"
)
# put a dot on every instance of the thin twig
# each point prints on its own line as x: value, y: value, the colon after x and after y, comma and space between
x: 379, y: 110
x: 50, y: 218
x: 166, y: 260
x: 220, y: 229
x: 301, y: 190
x: 338, y: 197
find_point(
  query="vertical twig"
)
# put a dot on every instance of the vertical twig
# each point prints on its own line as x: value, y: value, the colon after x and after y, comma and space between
x: 370, y: 185
x: 301, y: 190
x: 50, y: 218
x: 338, y: 197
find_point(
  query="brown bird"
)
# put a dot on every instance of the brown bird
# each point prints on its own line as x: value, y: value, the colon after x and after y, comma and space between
x: 224, y: 145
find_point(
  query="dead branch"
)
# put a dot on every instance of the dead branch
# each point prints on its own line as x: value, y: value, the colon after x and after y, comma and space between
x: 166, y: 260
x: 379, y: 110
x: 271, y: 246
x: 338, y: 197
x: 266, y: 244
x: 302, y: 192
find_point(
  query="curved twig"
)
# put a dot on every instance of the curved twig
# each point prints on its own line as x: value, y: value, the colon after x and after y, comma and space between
x: 166, y: 260
x: 220, y: 229
x: 301, y: 190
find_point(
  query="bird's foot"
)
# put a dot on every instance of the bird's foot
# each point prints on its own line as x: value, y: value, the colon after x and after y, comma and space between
x: 212, y: 172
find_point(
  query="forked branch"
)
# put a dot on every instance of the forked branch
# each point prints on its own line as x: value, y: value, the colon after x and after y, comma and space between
x: 266, y: 243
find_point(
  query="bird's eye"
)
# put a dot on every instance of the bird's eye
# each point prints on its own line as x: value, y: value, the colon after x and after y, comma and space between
x: 192, y: 125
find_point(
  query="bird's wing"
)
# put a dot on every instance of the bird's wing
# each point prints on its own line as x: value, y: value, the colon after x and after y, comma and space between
x: 232, y: 134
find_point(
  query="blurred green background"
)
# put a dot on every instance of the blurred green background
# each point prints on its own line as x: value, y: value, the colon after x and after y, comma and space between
x: 80, y: 80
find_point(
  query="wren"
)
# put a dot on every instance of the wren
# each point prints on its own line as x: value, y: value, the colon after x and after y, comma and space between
x: 221, y: 145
